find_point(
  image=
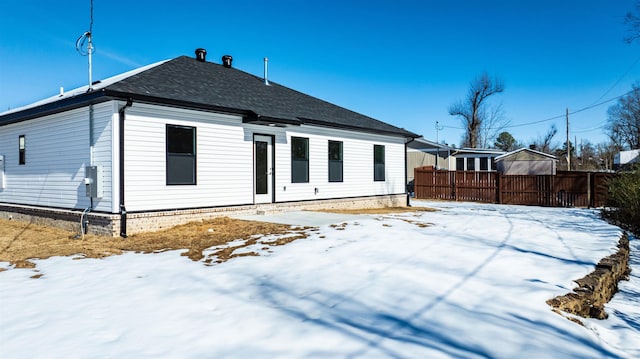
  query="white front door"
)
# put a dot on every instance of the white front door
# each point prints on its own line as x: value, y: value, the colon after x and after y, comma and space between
x: 263, y: 168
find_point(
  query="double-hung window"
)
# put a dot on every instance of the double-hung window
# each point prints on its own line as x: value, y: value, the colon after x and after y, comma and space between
x: 335, y: 161
x: 181, y: 155
x: 378, y: 163
x: 299, y: 160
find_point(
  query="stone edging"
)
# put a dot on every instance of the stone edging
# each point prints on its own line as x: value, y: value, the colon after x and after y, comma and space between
x: 598, y: 287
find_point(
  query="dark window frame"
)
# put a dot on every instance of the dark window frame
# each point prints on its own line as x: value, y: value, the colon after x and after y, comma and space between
x: 471, y: 163
x: 22, y: 150
x: 379, y: 169
x: 484, y: 163
x: 460, y: 164
x: 299, y: 160
x: 180, y: 154
x: 336, y: 161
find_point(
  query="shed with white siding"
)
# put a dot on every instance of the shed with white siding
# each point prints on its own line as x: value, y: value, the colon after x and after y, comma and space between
x: 187, y: 138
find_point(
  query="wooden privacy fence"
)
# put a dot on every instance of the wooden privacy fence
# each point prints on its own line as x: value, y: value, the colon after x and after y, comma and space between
x: 565, y: 189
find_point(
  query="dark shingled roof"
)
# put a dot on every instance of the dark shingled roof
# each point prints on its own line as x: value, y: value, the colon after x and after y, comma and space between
x: 185, y: 81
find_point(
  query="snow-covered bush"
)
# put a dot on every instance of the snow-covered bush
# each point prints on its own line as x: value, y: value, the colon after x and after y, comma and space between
x: 624, y: 200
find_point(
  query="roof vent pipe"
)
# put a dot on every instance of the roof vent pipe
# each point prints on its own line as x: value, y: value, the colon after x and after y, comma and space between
x: 266, y: 72
x: 201, y: 54
x: 226, y: 61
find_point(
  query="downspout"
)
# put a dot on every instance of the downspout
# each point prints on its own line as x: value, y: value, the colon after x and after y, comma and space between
x: 123, y: 209
x: 406, y: 168
x: 84, y: 217
x: 91, y: 147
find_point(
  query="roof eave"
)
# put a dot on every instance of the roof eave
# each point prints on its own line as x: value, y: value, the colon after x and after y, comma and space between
x: 64, y: 104
x: 400, y: 133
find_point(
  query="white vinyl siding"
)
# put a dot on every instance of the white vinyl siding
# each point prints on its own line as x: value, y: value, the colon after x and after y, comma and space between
x: 224, y: 160
x: 358, y: 178
x: 57, y: 151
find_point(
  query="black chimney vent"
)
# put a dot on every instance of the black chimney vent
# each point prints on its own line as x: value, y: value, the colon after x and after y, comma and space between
x: 226, y: 60
x: 201, y: 54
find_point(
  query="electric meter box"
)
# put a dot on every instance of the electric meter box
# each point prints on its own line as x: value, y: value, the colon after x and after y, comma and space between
x: 2, y: 179
x: 93, y: 181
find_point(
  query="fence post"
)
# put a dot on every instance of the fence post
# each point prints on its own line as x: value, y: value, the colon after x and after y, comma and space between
x: 498, y: 187
x: 415, y: 182
x: 589, y: 196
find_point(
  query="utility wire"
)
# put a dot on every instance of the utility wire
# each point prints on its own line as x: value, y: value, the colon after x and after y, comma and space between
x: 559, y: 116
x: 619, y: 79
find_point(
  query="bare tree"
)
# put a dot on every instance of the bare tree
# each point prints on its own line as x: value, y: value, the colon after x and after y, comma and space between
x: 633, y: 25
x: 493, y: 124
x: 543, y: 144
x: 623, y: 121
x: 606, y: 152
x: 476, y: 114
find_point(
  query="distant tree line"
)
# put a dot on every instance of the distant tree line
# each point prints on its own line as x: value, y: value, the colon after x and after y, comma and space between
x: 484, y: 123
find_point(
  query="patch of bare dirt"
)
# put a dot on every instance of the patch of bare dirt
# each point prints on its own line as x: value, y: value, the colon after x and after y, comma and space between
x: 21, y: 241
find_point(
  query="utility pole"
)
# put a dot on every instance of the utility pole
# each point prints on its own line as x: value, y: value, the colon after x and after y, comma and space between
x: 568, y: 143
x: 438, y: 128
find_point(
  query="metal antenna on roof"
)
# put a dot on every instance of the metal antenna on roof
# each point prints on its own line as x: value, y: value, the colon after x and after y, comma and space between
x: 87, y: 50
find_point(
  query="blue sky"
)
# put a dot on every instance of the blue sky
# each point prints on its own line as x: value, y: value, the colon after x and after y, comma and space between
x: 403, y: 62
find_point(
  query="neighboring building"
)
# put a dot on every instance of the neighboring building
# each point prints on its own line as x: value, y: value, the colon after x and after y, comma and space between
x: 475, y: 159
x: 625, y: 158
x: 526, y: 161
x: 422, y: 152
x: 184, y: 139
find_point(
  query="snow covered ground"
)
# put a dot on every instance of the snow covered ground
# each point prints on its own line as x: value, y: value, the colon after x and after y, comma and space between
x: 471, y: 284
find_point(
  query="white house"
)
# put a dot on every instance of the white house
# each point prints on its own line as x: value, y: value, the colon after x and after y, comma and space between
x: 623, y: 159
x: 475, y: 159
x: 187, y: 138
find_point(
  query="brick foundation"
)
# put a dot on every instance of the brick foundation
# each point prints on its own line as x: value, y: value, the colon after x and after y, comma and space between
x: 107, y: 224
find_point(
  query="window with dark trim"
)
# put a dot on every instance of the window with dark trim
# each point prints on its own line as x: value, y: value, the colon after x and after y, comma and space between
x: 299, y: 160
x: 181, y: 155
x: 378, y: 162
x: 471, y: 164
x: 22, y: 148
x: 335, y: 161
x: 484, y: 163
x: 494, y: 166
x: 459, y: 164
